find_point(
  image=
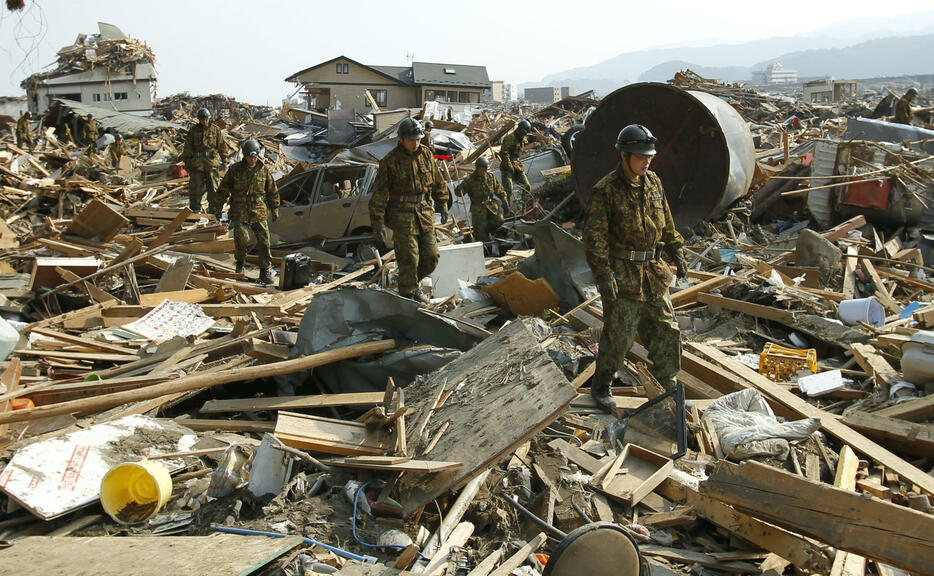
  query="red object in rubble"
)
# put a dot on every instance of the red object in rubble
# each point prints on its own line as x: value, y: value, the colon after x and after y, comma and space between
x: 874, y: 194
x: 178, y: 170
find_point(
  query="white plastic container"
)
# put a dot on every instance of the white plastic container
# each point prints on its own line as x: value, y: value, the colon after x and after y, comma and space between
x: 867, y: 310
x: 9, y: 338
x: 918, y: 358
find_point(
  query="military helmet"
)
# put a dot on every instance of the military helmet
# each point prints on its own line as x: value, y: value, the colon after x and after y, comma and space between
x: 911, y: 92
x: 27, y: 114
x: 636, y: 139
x: 90, y: 115
x: 204, y: 114
x: 429, y: 124
x: 250, y: 148
x: 524, y: 127
x: 410, y: 129
x: 482, y: 163
x: 118, y: 136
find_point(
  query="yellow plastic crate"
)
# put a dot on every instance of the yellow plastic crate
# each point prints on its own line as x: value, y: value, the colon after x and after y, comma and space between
x: 779, y: 363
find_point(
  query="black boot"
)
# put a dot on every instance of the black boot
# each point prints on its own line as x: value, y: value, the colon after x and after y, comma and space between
x: 602, y: 396
x: 239, y: 269
x: 265, y: 276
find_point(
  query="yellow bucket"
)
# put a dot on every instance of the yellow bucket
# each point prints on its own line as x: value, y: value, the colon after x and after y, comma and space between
x: 133, y: 492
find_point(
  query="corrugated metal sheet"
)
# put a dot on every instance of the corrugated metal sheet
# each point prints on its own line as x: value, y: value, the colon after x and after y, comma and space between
x: 820, y: 203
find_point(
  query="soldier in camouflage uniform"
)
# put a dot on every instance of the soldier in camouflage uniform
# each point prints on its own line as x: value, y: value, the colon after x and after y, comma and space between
x: 89, y: 133
x: 24, y: 131
x: 484, y: 191
x: 253, y: 195
x: 427, y: 141
x: 903, y: 113
x: 116, y: 150
x: 205, y: 151
x: 627, y: 230
x: 407, y: 180
x: 511, y: 168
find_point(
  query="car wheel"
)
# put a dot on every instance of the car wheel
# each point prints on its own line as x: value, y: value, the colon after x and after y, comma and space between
x: 567, y: 139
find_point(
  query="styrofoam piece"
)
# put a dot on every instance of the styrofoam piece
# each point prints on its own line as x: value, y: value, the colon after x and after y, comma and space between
x: 55, y: 476
x: 271, y: 468
x: 458, y: 262
x: 821, y: 383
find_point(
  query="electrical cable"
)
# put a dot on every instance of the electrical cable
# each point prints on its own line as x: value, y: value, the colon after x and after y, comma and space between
x: 353, y: 525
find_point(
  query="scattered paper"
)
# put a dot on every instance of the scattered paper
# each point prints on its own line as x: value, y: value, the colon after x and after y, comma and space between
x: 170, y: 319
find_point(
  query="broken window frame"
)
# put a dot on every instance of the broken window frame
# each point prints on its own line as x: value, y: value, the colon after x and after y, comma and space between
x: 676, y: 394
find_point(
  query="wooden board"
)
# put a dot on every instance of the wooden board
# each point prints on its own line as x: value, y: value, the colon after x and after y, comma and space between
x: 329, y: 435
x: 145, y: 555
x: 192, y: 296
x: 634, y: 474
x: 913, y: 410
x: 910, y: 437
x: 507, y: 390
x: 292, y: 402
x: 97, y: 221
x: 427, y: 466
x: 175, y: 277
x: 848, y: 521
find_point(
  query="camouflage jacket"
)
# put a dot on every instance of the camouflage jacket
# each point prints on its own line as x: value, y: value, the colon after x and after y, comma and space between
x: 428, y: 142
x: 903, y: 114
x: 624, y: 216
x: 251, y: 192
x: 22, y: 128
x: 481, y: 191
x: 88, y: 130
x: 115, y: 151
x: 404, y: 185
x: 510, y: 151
x: 205, y: 148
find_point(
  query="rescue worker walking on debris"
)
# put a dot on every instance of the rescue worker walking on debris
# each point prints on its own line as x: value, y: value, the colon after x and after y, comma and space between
x: 205, y: 151
x: 116, y: 150
x: 427, y: 141
x: 406, y: 182
x: 903, y: 113
x: 24, y: 131
x: 627, y: 229
x: 487, y: 199
x: 253, y: 196
x: 89, y: 134
x: 511, y: 168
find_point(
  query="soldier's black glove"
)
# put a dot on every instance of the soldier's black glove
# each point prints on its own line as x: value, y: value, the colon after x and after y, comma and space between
x: 275, y: 214
x: 443, y: 211
x: 681, y: 264
x: 607, y: 288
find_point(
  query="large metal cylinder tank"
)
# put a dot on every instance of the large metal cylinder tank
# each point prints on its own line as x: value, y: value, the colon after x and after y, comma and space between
x: 706, y: 156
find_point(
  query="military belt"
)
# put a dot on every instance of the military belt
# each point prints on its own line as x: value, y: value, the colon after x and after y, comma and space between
x: 412, y: 198
x: 635, y: 255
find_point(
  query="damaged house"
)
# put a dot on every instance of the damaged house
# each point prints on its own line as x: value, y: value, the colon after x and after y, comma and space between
x: 343, y: 83
x: 108, y: 70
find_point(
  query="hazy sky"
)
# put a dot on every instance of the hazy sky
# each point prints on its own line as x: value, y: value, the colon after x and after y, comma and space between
x: 246, y: 49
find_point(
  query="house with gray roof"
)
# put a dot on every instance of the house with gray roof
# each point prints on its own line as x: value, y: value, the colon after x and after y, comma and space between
x: 343, y: 83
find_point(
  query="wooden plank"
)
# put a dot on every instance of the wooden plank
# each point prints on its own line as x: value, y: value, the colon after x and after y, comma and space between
x: 10, y: 380
x: 691, y: 557
x: 175, y: 277
x: 263, y: 350
x: 292, y: 402
x: 875, y: 365
x: 801, y: 552
x: 912, y: 410
x: 95, y: 293
x: 170, y: 228
x: 910, y: 437
x: 635, y: 474
x: 678, y: 517
x: 486, y: 565
x: 212, y: 310
x: 225, y: 246
x: 200, y: 425
x: 688, y: 295
x: 829, y: 422
x: 849, y: 272
x: 97, y: 221
x: 426, y: 466
x: 574, y: 454
x: 517, y: 559
x: 879, y: 530
x: 457, y: 539
x: 882, y: 293
x: 86, y: 342
x: 192, y: 296
x: 144, y: 555
x: 89, y: 356
x: 847, y: 466
x: 329, y: 435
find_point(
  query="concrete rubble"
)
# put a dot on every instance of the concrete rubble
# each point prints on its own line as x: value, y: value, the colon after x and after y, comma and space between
x: 376, y: 436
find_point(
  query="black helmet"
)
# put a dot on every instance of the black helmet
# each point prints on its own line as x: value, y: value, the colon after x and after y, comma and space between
x: 27, y: 114
x: 410, y: 129
x: 204, y: 114
x: 118, y: 136
x: 482, y: 163
x: 250, y: 148
x: 429, y: 124
x: 911, y: 92
x: 90, y: 115
x: 524, y: 126
x: 636, y: 139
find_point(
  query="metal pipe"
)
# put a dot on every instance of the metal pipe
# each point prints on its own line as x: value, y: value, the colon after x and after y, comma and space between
x: 706, y: 157
x: 309, y: 541
x: 538, y: 521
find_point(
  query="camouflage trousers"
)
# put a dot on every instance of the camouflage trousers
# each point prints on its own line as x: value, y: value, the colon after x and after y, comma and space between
x: 658, y: 330
x: 199, y: 182
x: 485, y: 223
x: 25, y: 141
x: 507, y: 176
x: 241, y: 234
x: 416, y: 256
